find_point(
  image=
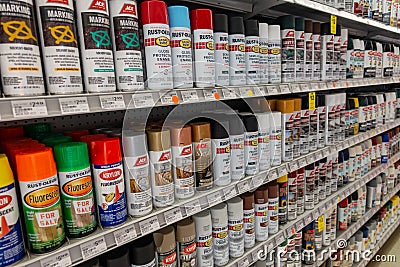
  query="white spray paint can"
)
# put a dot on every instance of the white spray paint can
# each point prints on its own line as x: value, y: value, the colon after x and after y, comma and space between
x: 274, y: 54
x: 263, y: 52
x: 221, y: 50
x: 219, y: 216
x: 264, y: 152
x: 235, y: 227
x: 204, y: 239
x: 252, y: 52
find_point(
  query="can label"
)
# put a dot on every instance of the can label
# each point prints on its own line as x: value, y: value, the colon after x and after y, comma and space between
x: 276, y: 146
x: 300, y: 55
x: 252, y: 50
x: 292, y: 197
x: 369, y: 64
x: 59, y: 46
x: 204, y: 245
x: 187, y: 254
x: 288, y: 55
x: 237, y: 156
x: 126, y: 44
x: 305, y: 131
x: 220, y: 244
x: 249, y: 228
x: 150, y: 264
x: 203, y: 164
x: 273, y: 214
x: 78, y: 202
x: 261, y: 221
x: 342, y: 217
x: 296, y: 133
x: 204, y: 57
x: 43, y: 216
x: 236, y: 237
x: 94, y: 31
x: 181, y: 50
x: 264, y: 150
x: 11, y: 241
x: 330, y: 127
x: 387, y: 64
x: 274, y: 61
x: 221, y: 54
x: 322, y: 180
x: 316, y: 184
x: 138, y: 185
x: 308, y: 39
x: 110, y: 192
x: 283, y: 198
x: 329, y: 176
x: 263, y: 60
x: 287, y: 138
x: 309, y: 190
x: 251, y: 152
x: 335, y: 172
x: 327, y: 57
x: 237, y: 60
x: 21, y: 68
x: 313, y: 136
x: 222, y: 161
x: 162, y: 183
x: 158, y: 56
x: 316, y: 54
x: 336, y: 57
x: 326, y: 233
x: 343, y: 59
x: 167, y: 259
x: 300, y: 192
x: 182, y: 162
x: 350, y: 64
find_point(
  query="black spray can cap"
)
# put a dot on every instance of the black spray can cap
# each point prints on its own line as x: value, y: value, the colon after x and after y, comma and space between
x: 299, y: 24
x: 286, y: 22
x: 219, y: 129
x: 250, y: 123
x: 142, y: 251
x: 236, y: 126
x: 326, y: 28
x: 305, y: 102
x: 236, y: 25
x: 118, y: 257
x: 251, y: 27
x: 320, y: 100
x: 338, y: 30
x: 220, y: 23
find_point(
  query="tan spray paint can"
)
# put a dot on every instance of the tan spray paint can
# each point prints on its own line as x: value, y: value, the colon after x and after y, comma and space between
x: 186, y: 243
x: 219, y: 216
x: 235, y: 227
x: 204, y: 240
x: 164, y: 240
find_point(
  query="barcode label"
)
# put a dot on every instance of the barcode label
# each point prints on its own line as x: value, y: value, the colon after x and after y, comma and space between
x: 74, y: 105
x: 143, y: 100
x: 192, y: 207
x: 228, y: 93
x: 59, y: 260
x: 305, y: 87
x: 230, y: 192
x: 243, y: 187
x: 112, y: 102
x: 125, y: 235
x: 296, y: 88
x: 246, y: 92
x: 169, y: 98
x: 173, y: 215
x: 210, y: 94
x: 29, y: 108
x: 93, y: 247
x: 214, y: 198
x: 150, y: 225
x: 284, y: 88
x: 272, y: 89
x: 190, y: 96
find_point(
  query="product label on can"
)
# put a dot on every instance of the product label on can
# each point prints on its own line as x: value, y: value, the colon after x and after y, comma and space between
x: 335, y: 170
x: 287, y: 138
x: 300, y: 192
x: 288, y: 55
x: 204, y: 68
x: 167, y: 259
x: 261, y: 221
x: 236, y: 237
x: 300, y: 53
x: 309, y: 189
x: 221, y: 161
x: 387, y: 64
x: 336, y: 57
x: 205, y: 248
x: 263, y: 60
x: 251, y: 153
x: 313, y: 137
x: 305, y: 131
x: 321, y: 126
x: 316, y: 57
x: 187, y: 254
x: 237, y: 156
x: 252, y: 59
x: 150, y: 264
x: 264, y: 150
x: 181, y: 50
x: 308, y: 39
x: 343, y: 59
x: 237, y: 61
x: 203, y: 164
x: 21, y: 68
x: 78, y: 202
x: 292, y: 197
x: 322, y: 180
x: 42, y: 212
x: 221, y: 54
x: 273, y: 214
x: 327, y: 57
x: 330, y: 128
x: 11, y: 242
x: 220, y: 244
x: 274, y: 61
x: 162, y: 183
x: 350, y: 64
x: 110, y: 187
x: 296, y: 133
x: 138, y: 185
x: 182, y: 164
x: 283, y: 198
x: 249, y: 228
x: 276, y: 146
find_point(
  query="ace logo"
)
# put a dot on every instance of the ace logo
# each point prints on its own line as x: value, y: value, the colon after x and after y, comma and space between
x: 99, y: 5
x: 128, y: 9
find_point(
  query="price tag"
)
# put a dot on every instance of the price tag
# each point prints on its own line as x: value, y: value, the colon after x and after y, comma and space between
x: 300, y: 225
x: 305, y: 87
x: 271, y: 245
x: 173, y: 215
x: 93, y: 247
x: 272, y: 89
x: 280, y: 239
x: 190, y: 96
x: 311, y: 100
x: 321, y: 223
x: 228, y: 93
x: 125, y: 235
x: 292, y: 166
x: 323, y: 86
x: 243, y: 187
x: 333, y: 24
x: 244, y: 262
x: 284, y: 88
x: 170, y: 98
x: 112, y: 102
x: 29, y: 108
x: 319, y: 155
x: 310, y: 159
x: 192, y: 207
x: 74, y: 105
x: 258, y: 91
x: 258, y: 180
x: 246, y: 92
x: 59, y: 260
x: 211, y: 94
x: 214, y: 198
x: 315, y: 86
x: 282, y: 171
x: 295, y: 88
x: 143, y: 100
x: 272, y: 175
x: 230, y: 192
x: 149, y: 225
x: 302, y: 162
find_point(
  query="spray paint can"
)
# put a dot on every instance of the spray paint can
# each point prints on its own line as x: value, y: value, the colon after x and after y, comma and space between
x: 219, y: 216
x: 248, y: 219
x: 264, y: 122
x: 12, y: 243
x: 237, y: 61
x: 283, y: 198
x: 15, y: 49
x: 263, y: 48
x: 330, y: 127
x: 281, y: 254
x: 37, y: 176
x: 142, y: 252
x: 326, y: 233
x: 317, y: 237
x: 252, y: 52
x: 292, y: 196
x: 221, y: 152
x: 309, y: 187
x: 76, y: 188
x: 276, y: 139
x: 108, y: 176
x: 186, y: 243
x: 182, y: 161
x: 162, y: 184
x: 316, y: 183
x: 273, y: 207
x: 95, y: 45
x: 305, y: 126
x: 251, y: 157
x: 288, y: 48
x: 387, y: 59
x: 385, y: 148
x: 286, y: 107
x: 300, y: 49
x: 333, y: 223
x: 343, y: 54
x: 261, y: 220
x: 236, y: 137
x: 165, y: 242
x: 203, y: 39
x: 351, y: 59
x: 308, y: 40
x: 63, y: 75
x: 342, y: 214
x: 313, y: 135
x: 204, y: 240
x: 369, y: 60
x: 300, y: 190
x: 316, y: 51
x: 221, y: 47
x: 337, y: 40
x: 181, y: 46
x: 296, y: 127
x: 274, y: 54
x: 327, y: 52
x: 235, y: 227
x: 323, y: 182
x: 126, y: 45
x: 321, y: 128
x: 378, y: 58
x: 308, y: 243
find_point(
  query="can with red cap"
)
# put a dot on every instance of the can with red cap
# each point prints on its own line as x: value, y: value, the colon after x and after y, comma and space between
x: 157, y: 44
x: 108, y: 175
x: 203, y: 39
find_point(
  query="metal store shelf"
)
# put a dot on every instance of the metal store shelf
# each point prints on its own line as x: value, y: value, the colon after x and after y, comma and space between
x: 78, y: 250
x: 20, y: 108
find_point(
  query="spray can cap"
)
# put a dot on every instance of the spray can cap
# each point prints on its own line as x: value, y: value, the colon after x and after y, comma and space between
x: 200, y: 131
x: 250, y: 123
x: 316, y: 28
x: 154, y: 12
x: 76, y: 135
x: 181, y: 135
x: 345, y: 35
x: 55, y: 140
x: 299, y: 24
x: 7, y: 176
x: 236, y: 25
x: 11, y: 132
x: 235, y: 206
x: 385, y: 137
x: 202, y: 220
x: 201, y: 19
x: 158, y: 139
x: 308, y: 26
x: 185, y: 231
x: 32, y: 130
x: 326, y: 28
x: 263, y: 30
x: 236, y: 126
x: 71, y: 156
x: 274, y: 32
x: 106, y: 151
x: 118, y: 257
x: 297, y: 104
x: 219, y: 212
x: 134, y: 143
x: 35, y: 164
x: 219, y: 129
x: 165, y: 239
x: 248, y: 200
x: 220, y: 23
x: 276, y: 119
x: 261, y: 195
x: 286, y: 22
x: 251, y: 27
x: 142, y: 251
x: 264, y: 120
x: 178, y: 16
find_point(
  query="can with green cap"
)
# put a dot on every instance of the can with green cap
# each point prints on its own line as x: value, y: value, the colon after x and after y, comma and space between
x: 55, y: 140
x: 288, y: 48
x: 32, y: 130
x: 77, y: 197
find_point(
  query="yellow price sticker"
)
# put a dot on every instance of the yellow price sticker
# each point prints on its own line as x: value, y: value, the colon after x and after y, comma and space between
x: 333, y: 24
x: 311, y: 100
x: 321, y: 223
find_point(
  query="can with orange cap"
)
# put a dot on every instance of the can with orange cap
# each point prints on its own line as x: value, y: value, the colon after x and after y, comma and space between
x: 11, y: 241
x: 40, y: 193
x: 108, y: 176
